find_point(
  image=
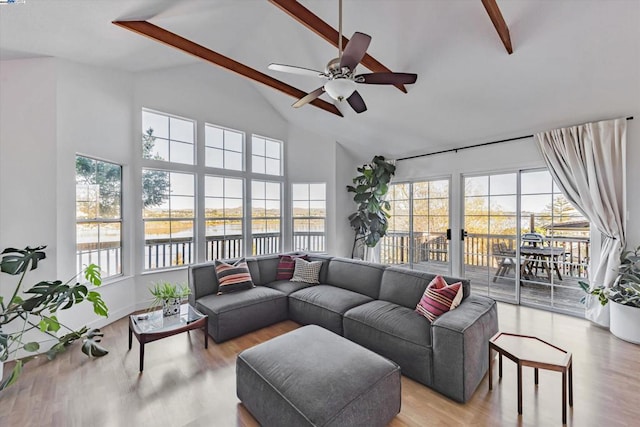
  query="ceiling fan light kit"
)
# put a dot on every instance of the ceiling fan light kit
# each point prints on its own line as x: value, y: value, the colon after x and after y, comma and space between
x: 340, y: 88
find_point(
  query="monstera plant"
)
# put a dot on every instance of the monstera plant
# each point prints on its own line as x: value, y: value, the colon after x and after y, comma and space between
x: 370, y: 221
x: 35, y: 309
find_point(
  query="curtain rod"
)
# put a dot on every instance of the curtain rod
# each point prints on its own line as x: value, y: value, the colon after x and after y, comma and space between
x: 451, y: 150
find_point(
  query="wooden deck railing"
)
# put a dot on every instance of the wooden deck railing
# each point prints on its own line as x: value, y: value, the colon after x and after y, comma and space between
x: 160, y: 253
x: 477, y: 250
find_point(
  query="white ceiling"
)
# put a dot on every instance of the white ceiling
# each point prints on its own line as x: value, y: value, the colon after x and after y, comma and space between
x: 573, y: 61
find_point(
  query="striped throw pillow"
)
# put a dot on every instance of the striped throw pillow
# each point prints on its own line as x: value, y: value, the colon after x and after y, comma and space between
x: 286, y: 265
x: 233, y: 277
x: 307, y: 271
x: 438, y: 298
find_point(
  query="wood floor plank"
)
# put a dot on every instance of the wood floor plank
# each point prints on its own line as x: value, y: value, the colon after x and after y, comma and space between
x: 185, y: 385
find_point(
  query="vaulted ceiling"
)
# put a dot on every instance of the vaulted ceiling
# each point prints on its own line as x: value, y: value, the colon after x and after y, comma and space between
x: 572, y: 61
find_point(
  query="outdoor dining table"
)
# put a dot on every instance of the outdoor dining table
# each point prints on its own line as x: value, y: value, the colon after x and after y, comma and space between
x: 540, y: 257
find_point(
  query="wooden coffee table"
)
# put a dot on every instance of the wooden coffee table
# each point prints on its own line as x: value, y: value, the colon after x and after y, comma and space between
x: 152, y: 326
x: 532, y: 351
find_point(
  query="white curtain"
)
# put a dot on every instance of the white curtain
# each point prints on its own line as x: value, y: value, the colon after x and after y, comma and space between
x: 588, y: 162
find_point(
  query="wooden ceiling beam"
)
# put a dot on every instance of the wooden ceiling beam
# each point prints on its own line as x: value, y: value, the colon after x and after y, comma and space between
x: 327, y: 32
x: 168, y: 38
x: 498, y: 22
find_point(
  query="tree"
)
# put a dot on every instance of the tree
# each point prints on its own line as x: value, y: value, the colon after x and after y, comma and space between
x: 155, y: 184
x: 103, y: 178
x: 106, y: 179
x: 370, y: 221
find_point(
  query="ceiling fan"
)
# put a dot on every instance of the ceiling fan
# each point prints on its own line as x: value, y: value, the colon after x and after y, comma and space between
x: 340, y: 73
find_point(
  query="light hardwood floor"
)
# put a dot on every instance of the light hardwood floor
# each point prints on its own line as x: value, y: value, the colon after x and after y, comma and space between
x: 185, y: 385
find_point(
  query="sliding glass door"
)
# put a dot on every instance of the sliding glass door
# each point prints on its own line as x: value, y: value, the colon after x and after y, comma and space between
x: 554, y: 246
x: 417, y: 233
x: 523, y: 241
x: 489, y: 249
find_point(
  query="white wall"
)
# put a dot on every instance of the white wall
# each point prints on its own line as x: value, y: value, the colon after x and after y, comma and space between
x: 346, y: 166
x: 27, y: 164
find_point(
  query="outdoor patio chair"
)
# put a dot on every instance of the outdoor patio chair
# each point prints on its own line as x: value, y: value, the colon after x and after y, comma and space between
x: 505, y: 258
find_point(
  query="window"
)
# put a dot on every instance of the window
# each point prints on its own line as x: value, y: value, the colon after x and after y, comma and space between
x: 265, y: 217
x: 168, y: 215
x: 99, y: 215
x: 266, y: 156
x: 167, y: 138
x: 309, y: 204
x: 223, y: 209
x: 223, y: 148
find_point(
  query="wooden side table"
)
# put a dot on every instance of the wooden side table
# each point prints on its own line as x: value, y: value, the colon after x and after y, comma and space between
x: 531, y: 351
x: 149, y: 327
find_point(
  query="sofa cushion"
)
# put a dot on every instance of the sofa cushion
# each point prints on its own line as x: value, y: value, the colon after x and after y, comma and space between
x: 286, y: 266
x: 306, y: 271
x: 323, y: 305
x: 438, y: 298
x: 395, y: 332
x: 405, y: 287
x: 287, y: 286
x: 236, y: 313
x: 233, y: 277
x: 357, y: 276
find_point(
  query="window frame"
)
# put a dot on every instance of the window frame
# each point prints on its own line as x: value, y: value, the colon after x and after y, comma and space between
x: 99, y: 220
x: 171, y: 219
x: 308, y: 218
x: 243, y: 152
x: 227, y: 247
x: 171, y: 140
x: 280, y: 159
x: 266, y: 218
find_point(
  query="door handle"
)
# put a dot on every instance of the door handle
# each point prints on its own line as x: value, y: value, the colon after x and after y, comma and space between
x: 463, y: 234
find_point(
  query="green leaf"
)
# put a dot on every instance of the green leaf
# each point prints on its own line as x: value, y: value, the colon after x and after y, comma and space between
x: 32, y: 346
x: 93, y: 274
x: 49, y: 324
x: 361, y: 197
x: 20, y: 260
x: 17, y: 300
x: 15, y: 374
x: 99, y: 306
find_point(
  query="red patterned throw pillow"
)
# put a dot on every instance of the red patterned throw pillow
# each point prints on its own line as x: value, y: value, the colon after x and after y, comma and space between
x: 438, y: 298
x: 233, y: 277
x: 287, y: 265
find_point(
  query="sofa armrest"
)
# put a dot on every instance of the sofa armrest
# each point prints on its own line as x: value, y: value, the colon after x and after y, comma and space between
x: 202, y: 281
x: 460, y: 340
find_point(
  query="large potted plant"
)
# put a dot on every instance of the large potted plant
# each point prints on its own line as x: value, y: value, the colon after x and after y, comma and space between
x: 624, y: 295
x: 370, y: 221
x: 35, y: 309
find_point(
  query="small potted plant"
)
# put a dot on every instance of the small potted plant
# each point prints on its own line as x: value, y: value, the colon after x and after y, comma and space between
x: 625, y: 297
x: 168, y: 295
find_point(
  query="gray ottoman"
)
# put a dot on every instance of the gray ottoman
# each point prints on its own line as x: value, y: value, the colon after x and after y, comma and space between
x: 313, y: 377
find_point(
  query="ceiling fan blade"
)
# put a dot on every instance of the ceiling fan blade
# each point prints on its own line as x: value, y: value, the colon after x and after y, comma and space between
x: 387, y: 78
x: 309, y: 97
x: 307, y: 18
x: 295, y: 70
x: 355, y: 50
x: 357, y: 103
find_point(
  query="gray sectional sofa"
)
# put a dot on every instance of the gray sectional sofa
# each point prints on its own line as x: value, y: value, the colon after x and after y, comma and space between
x: 370, y: 304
